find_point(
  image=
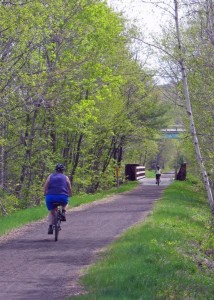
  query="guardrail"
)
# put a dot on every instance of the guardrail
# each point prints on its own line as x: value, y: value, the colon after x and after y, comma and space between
x: 135, y: 172
x: 140, y: 172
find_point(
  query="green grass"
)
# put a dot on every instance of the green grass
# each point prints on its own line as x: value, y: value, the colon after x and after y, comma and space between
x: 87, y: 198
x: 150, y: 174
x: 22, y: 217
x: 163, y: 258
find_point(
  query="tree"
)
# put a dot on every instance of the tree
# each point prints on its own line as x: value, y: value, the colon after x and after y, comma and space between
x: 71, y: 92
x: 178, y: 48
x: 189, y: 110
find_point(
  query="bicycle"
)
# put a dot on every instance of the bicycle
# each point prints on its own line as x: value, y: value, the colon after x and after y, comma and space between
x: 57, y: 219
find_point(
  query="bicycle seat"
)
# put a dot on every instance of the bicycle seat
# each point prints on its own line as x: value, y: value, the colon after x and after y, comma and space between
x: 55, y: 204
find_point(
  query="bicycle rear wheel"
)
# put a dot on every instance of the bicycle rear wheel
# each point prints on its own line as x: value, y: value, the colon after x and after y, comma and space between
x: 56, y: 227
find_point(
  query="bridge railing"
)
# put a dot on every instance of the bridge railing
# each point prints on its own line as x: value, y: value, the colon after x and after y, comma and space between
x: 140, y: 172
x: 135, y: 172
x: 174, y: 128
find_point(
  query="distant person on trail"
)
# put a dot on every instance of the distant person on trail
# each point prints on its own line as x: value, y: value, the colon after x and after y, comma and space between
x: 57, y: 188
x: 158, y: 173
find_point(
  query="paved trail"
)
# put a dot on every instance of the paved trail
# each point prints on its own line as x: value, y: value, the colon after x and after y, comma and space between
x: 35, y: 267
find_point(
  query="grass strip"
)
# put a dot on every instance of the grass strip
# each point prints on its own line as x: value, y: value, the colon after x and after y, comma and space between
x: 169, y: 256
x: 19, y: 218
x: 150, y: 173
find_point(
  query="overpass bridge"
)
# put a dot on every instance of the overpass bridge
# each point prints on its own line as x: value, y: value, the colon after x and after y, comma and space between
x: 173, y: 131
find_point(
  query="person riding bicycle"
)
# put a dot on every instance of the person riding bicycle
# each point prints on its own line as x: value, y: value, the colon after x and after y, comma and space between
x: 57, y: 188
x: 158, y: 174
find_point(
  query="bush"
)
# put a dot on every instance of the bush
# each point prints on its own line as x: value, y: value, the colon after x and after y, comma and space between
x: 8, y: 203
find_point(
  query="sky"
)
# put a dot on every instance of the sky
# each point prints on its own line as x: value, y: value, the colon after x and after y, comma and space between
x: 150, y: 20
x: 146, y: 15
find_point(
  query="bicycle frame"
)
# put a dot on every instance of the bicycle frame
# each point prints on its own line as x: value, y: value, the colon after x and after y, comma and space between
x: 57, y: 219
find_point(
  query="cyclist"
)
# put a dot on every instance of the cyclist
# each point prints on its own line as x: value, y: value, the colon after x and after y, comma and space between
x: 158, y: 174
x: 57, y: 188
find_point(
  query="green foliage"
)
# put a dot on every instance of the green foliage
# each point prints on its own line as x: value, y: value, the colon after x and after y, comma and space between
x: 150, y: 173
x: 197, y: 43
x: 71, y: 92
x: 8, y: 203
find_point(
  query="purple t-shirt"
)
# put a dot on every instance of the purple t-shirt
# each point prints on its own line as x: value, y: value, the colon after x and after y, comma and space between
x: 57, y: 185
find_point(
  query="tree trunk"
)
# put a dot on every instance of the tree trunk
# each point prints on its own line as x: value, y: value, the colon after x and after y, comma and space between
x: 28, y: 140
x: 77, y: 155
x: 190, y: 113
x: 2, y: 166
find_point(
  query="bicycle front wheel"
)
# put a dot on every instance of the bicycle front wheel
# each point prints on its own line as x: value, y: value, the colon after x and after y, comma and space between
x: 56, y: 227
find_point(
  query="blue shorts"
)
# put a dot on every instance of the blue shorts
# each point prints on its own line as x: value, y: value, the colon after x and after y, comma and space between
x: 50, y: 199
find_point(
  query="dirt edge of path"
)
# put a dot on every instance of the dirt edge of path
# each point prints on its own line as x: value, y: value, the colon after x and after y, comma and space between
x: 14, y: 233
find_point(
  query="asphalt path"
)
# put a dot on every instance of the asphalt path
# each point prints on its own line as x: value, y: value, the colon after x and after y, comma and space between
x: 33, y: 266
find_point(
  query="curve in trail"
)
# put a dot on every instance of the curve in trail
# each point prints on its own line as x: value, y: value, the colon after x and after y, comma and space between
x: 34, y: 266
